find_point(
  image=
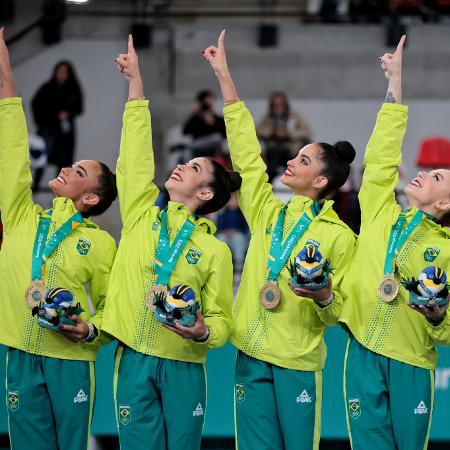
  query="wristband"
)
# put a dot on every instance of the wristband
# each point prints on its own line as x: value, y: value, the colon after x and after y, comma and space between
x: 327, y: 301
x: 203, y: 338
x: 93, y: 332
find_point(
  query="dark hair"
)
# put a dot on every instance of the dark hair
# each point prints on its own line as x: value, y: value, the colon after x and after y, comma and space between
x: 72, y: 79
x: 223, y: 183
x: 336, y: 159
x: 106, y: 190
x: 203, y: 94
x: 272, y: 98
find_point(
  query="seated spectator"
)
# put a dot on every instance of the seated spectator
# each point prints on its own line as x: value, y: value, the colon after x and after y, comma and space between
x: 206, y: 128
x: 233, y: 230
x: 283, y: 132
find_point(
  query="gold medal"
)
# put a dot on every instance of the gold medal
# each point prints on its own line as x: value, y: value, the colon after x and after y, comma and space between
x: 157, y: 290
x: 388, y: 289
x: 35, y: 293
x: 270, y: 295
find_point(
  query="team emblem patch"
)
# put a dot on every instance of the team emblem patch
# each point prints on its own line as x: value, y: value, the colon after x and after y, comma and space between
x: 125, y: 414
x: 240, y: 393
x: 269, y: 230
x: 13, y: 400
x: 193, y: 255
x: 431, y: 253
x: 83, y: 246
x: 354, y: 408
x: 155, y: 225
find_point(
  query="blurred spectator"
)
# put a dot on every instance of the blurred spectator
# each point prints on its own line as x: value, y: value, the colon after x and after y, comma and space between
x: 55, y: 106
x: 206, y: 128
x: 233, y: 230
x: 347, y: 203
x: 283, y: 132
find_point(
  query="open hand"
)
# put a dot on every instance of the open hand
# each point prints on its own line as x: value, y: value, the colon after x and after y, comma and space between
x: 216, y: 55
x: 77, y: 332
x: 391, y: 63
x: 318, y: 295
x: 434, y: 315
x: 197, y: 331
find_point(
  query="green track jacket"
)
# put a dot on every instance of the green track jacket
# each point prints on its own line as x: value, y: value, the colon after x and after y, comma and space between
x: 393, y: 330
x: 70, y: 266
x: 205, y: 264
x: 291, y: 335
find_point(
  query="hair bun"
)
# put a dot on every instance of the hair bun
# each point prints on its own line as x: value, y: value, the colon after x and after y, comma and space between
x: 345, y: 151
x: 235, y: 180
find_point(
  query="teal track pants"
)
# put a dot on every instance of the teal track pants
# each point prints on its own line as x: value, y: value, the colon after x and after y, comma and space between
x: 49, y: 401
x: 276, y: 408
x: 389, y: 404
x: 160, y: 403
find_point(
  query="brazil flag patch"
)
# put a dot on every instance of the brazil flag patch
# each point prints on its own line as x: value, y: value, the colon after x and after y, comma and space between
x: 193, y: 255
x: 125, y: 414
x: 83, y: 246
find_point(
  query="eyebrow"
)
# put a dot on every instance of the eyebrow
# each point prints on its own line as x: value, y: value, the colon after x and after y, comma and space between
x: 305, y: 156
x: 82, y: 168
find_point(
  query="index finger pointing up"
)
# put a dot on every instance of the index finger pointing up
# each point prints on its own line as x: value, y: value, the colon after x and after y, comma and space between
x: 220, y: 42
x: 130, y: 43
x: 401, y: 44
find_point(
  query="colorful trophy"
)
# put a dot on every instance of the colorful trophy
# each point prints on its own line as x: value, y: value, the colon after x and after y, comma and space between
x: 429, y: 289
x: 309, y: 270
x: 178, y: 306
x: 55, y: 309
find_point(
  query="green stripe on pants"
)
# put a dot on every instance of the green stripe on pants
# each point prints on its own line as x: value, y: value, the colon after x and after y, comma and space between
x: 389, y: 404
x: 276, y: 408
x: 160, y: 403
x: 49, y: 401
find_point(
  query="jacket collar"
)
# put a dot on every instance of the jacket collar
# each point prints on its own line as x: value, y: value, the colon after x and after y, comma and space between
x: 64, y: 209
x: 177, y: 213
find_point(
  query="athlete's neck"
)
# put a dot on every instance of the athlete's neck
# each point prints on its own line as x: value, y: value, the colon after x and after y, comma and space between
x: 190, y: 204
x: 310, y: 193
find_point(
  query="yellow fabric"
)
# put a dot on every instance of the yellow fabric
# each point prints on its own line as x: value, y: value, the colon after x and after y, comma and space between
x: 290, y: 336
x: 66, y: 267
x: 393, y: 330
x: 126, y: 316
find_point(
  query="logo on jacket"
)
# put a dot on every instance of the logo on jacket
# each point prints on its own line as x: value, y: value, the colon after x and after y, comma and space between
x: 354, y: 408
x: 198, y: 411
x: 80, y: 397
x: 240, y: 393
x: 13, y: 400
x: 304, y: 397
x: 193, y: 255
x: 431, y: 253
x: 83, y: 246
x: 421, y: 408
x: 125, y: 414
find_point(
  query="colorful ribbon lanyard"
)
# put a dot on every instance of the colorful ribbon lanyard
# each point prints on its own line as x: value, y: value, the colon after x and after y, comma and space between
x: 279, y: 252
x: 41, y: 250
x: 167, y: 255
x: 398, y: 238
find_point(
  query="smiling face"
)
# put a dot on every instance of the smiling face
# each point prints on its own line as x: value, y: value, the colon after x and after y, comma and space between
x: 189, y: 183
x: 304, y: 172
x: 430, y: 192
x: 78, y: 183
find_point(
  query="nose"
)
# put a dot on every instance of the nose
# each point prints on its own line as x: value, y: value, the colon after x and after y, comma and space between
x: 421, y: 175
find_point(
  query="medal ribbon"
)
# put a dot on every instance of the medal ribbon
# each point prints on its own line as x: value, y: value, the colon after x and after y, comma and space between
x: 167, y: 255
x: 279, y: 252
x: 41, y: 249
x: 398, y: 238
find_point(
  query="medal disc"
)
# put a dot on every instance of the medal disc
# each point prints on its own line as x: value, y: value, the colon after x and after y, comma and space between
x: 158, y: 289
x: 270, y: 295
x: 35, y: 293
x: 388, y: 289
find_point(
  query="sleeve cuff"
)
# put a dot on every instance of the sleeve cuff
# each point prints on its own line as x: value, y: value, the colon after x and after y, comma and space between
x: 136, y: 104
x: 395, y: 107
x: 11, y: 101
x: 233, y: 107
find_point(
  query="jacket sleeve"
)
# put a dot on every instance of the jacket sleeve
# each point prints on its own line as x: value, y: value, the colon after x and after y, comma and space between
x: 440, y: 333
x: 99, y: 285
x: 255, y: 193
x: 382, y: 160
x: 15, y: 175
x: 329, y: 315
x: 217, y: 298
x: 136, y: 165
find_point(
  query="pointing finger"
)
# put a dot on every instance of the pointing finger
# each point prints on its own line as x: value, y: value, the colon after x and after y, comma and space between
x: 220, y: 42
x: 401, y: 44
x: 130, y: 44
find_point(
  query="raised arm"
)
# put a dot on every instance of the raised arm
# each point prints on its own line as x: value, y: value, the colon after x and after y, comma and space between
x: 384, y: 150
x: 135, y: 166
x: 255, y: 193
x: 15, y: 176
